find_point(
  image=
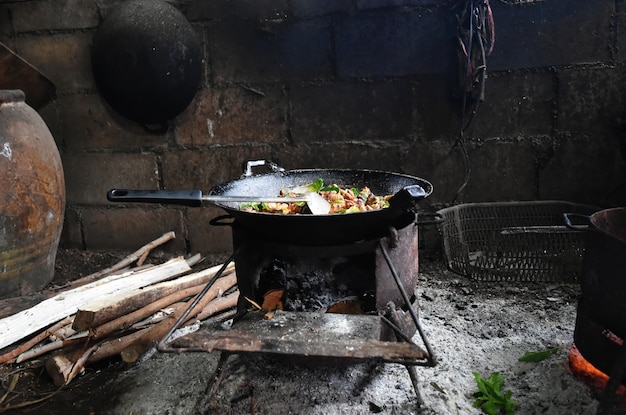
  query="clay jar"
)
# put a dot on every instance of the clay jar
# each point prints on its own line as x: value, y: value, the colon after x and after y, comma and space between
x: 32, y: 198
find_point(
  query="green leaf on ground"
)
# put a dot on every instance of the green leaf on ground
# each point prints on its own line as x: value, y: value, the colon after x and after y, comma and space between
x: 489, y: 396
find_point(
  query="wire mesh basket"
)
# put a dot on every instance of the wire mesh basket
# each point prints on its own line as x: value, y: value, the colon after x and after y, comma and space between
x: 513, y: 241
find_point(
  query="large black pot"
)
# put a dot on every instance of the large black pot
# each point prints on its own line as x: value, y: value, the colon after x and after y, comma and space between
x: 603, y: 283
x: 601, y: 315
x: 147, y: 61
x: 303, y: 229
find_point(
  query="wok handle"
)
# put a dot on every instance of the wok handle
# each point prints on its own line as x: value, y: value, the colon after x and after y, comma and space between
x: 407, y: 197
x: 170, y: 197
x: 570, y: 223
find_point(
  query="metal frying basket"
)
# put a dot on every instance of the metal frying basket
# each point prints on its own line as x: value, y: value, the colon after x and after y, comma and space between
x: 513, y: 241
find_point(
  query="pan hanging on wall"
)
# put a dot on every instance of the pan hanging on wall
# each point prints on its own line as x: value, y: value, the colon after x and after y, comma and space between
x: 147, y: 61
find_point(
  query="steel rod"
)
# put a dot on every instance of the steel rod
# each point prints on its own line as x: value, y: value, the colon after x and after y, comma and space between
x: 407, y: 301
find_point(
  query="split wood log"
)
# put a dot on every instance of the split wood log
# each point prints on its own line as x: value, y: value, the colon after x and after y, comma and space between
x: 63, y: 368
x: 29, y: 321
x: 109, y: 308
x: 155, y: 333
x: 212, y: 308
x: 123, y: 322
x: 113, y: 347
x: 11, y: 355
x: 138, y: 254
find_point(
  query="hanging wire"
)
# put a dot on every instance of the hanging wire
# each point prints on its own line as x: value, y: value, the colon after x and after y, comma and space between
x: 476, y: 38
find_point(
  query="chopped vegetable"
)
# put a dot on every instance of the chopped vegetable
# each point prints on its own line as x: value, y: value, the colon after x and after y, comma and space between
x: 348, y: 200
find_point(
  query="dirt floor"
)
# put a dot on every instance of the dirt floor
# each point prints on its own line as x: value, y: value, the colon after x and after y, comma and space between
x: 481, y: 327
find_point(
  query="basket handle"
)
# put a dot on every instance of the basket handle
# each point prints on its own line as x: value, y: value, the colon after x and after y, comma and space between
x: 581, y: 227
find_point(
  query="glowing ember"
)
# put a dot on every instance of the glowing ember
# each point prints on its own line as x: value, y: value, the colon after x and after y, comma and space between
x: 595, y: 378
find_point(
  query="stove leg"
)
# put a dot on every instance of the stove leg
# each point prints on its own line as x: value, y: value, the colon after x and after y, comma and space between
x: 413, y: 375
x: 218, y: 375
x: 431, y: 355
x: 393, y: 319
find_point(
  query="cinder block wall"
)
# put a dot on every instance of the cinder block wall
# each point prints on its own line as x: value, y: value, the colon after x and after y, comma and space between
x: 337, y: 84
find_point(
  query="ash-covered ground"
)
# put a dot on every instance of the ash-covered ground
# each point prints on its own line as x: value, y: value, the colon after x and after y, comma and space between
x: 473, y: 326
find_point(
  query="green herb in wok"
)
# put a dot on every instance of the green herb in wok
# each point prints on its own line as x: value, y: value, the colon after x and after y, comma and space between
x: 316, y: 186
x: 256, y: 206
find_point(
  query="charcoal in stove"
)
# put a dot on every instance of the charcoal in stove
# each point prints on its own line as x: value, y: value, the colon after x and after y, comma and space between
x: 349, y: 302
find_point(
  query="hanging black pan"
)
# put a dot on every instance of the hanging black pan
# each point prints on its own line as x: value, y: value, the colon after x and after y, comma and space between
x: 325, y: 229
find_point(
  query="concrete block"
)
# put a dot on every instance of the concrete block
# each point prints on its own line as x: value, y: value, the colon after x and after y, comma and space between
x: 234, y: 115
x: 64, y: 58
x: 551, y: 32
x: 619, y: 50
x: 204, y: 169
x: 129, y: 228
x: 344, y: 155
x: 307, y: 8
x: 89, y: 176
x: 591, y: 101
x: 87, y: 122
x: 437, y: 107
x: 377, y: 4
x: 395, y: 43
x: 72, y: 235
x: 240, y: 9
x: 584, y: 171
x: 500, y: 170
x: 350, y: 111
x: 47, y: 15
x: 516, y: 105
x: 206, y: 238
x: 242, y: 51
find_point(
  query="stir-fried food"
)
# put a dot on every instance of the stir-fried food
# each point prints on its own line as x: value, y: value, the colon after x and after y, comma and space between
x: 341, y: 199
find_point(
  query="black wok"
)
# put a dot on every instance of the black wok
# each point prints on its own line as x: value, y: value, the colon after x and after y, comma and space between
x: 330, y: 229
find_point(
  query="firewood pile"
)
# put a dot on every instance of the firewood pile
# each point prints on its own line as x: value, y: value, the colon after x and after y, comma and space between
x: 124, y: 310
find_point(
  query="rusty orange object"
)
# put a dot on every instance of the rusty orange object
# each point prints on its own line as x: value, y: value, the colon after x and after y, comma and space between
x: 32, y: 197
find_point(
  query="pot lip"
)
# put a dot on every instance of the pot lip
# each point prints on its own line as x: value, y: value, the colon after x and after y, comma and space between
x: 11, y: 95
x: 595, y: 220
x: 427, y: 184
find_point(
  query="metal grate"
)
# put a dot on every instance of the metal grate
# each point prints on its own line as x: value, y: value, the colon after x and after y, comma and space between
x: 514, y: 241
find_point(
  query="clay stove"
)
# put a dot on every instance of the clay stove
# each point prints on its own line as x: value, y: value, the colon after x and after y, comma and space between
x: 352, y: 303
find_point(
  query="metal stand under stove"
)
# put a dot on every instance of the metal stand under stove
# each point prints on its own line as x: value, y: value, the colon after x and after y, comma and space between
x: 351, y: 338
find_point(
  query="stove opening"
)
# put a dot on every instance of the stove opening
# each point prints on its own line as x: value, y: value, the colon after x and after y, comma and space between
x: 338, y: 284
